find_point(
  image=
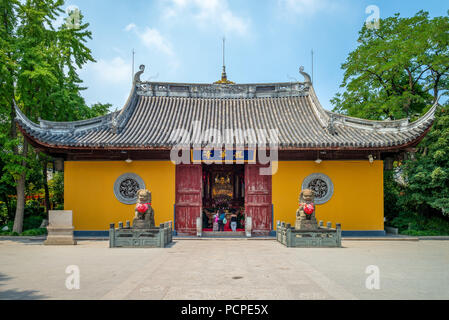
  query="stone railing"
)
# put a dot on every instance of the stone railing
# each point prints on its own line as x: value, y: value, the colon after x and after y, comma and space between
x: 322, y: 237
x: 127, y: 237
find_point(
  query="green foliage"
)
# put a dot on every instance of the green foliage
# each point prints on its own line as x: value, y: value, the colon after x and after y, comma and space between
x: 4, y: 216
x: 414, y: 224
x: 427, y: 175
x: 33, y: 208
x: 391, y: 195
x: 421, y: 206
x: 34, y: 232
x: 56, y: 187
x: 30, y: 232
x: 397, y: 70
x: 39, y: 72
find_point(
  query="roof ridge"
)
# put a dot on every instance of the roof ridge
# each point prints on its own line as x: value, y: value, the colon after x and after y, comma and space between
x: 398, y: 125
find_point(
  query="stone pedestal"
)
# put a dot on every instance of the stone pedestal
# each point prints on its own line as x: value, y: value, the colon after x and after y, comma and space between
x: 305, y: 224
x: 248, y: 226
x: 141, y: 224
x: 199, y: 227
x: 60, y: 228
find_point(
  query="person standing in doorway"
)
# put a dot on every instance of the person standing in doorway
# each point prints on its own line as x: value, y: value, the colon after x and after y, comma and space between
x: 215, y: 222
x: 234, y: 222
x: 220, y: 220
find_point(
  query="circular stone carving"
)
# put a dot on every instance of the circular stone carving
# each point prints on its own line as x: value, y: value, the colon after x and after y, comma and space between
x: 126, y: 187
x: 321, y: 185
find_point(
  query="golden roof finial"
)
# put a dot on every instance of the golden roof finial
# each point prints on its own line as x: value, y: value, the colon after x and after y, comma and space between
x: 224, y: 78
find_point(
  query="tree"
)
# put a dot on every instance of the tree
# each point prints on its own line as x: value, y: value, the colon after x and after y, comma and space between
x: 35, y: 75
x: 38, y: 73
x: 8, y: 23
x: 397, y: 70
x: 427, y: 175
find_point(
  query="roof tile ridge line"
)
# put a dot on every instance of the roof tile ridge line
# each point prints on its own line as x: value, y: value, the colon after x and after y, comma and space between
x: 133, y: 115
x: 429, y: 115
x: 72, y: 126
x: 21, y: 117
x: 393, y: 124
x: 131, y: 103
x: 129, y: 106
x: 320, y: 112
x: 31, y: 125
x: 364, y: 121
x: 169, y: 113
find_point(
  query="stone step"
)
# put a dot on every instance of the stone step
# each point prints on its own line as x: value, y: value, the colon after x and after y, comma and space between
x: 224, y: 234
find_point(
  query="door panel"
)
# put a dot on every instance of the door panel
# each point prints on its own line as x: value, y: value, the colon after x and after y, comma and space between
x: 188, y: 198
x: 258, y: 204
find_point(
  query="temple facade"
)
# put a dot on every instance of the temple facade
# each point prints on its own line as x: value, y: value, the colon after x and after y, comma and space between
x: 245, y: 148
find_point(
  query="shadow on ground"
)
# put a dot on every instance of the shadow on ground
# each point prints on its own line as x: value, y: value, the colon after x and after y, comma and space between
x: 37, y: 240
x: 14, y: 294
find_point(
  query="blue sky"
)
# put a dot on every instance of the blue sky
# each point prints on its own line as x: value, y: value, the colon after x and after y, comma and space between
x: 266, y: 40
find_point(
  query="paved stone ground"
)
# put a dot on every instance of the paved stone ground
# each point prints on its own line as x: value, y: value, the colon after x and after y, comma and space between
x: 225, y: 269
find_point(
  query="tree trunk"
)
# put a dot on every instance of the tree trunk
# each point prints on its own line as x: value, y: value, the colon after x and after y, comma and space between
x: 435, y: 88
x: 20, y: 208
x: 45, y: 181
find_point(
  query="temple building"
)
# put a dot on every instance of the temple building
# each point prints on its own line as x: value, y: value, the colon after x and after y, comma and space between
x: 342, y: 159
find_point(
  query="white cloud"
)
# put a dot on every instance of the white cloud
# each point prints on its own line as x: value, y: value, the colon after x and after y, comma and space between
x: 115, y: 71
x: 107, y: 81
x: 306, y: 6
x: 206, y: 14
x: 153, y: 39
x: 130, y: 26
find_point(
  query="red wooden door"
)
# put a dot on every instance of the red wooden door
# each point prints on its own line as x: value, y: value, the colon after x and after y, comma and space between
x: 188, y: 198
x: 258, y: 204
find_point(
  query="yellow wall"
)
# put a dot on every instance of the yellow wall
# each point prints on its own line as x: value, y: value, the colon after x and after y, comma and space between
x: 89, y: 191
x: 357, y: 202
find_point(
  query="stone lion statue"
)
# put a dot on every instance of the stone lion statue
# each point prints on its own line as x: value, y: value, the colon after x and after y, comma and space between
x: 144, y: 213
x: 305, y: 215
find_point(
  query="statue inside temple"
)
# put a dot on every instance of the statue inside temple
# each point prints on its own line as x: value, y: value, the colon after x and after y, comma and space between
x: 222, y: 187
x: 144, y: 213
x: 305, y: 215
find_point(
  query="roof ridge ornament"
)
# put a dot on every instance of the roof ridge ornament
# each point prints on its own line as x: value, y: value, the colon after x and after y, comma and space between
x: 331, y: 126
x: 224, y: 77
x: 138, y: 73
x: 114, y: 122
x: 306, y: 76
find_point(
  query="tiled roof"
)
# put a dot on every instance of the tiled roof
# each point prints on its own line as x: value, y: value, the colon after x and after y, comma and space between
x: 155, y: 111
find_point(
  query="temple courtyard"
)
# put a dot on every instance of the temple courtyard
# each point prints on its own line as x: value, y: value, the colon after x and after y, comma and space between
x: 226, y: 269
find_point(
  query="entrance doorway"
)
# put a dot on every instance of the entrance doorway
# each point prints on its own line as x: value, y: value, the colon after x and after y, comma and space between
x: 223, y: 192
x: 240, y: 189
